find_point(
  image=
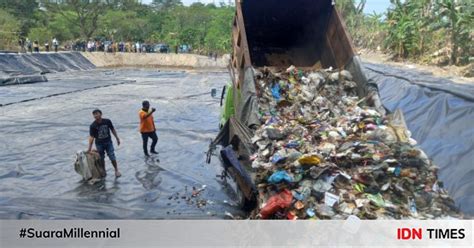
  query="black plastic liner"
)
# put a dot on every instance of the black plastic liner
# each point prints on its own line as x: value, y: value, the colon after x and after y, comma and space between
x: 43, y: 125
x: 440, y: 115
x: 28, y: 68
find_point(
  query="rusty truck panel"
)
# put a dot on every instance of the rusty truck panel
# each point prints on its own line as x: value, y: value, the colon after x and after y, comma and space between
x: 278, y: 33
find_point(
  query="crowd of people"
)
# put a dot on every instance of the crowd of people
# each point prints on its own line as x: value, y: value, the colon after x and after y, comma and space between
x: 111, y: 46
x: 26, y: 45
x: 125, y: 47
x: 35, y: 46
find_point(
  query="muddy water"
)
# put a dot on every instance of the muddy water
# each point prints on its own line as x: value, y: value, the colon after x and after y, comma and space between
x: 42, y: 125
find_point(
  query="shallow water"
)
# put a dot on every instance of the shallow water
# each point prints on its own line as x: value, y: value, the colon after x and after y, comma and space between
x: 43, y: 125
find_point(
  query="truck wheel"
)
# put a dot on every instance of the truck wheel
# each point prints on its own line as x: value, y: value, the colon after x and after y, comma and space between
x: 242, y: 201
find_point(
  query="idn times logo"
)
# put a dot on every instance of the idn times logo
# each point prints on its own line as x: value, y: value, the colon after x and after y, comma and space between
x: 430, y: 233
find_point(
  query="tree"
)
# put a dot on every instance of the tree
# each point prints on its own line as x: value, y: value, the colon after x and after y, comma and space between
x: 165, y: 4
x: 218, y: 37
x: 349, y: 8
x: 60, y: 28
x: 123, y: 25
x: 204, y: 27
x: 41, y: 34
x: 23, y: 11
x: 9, y: 29
x: 406, y: 27
x: 353, y: 16
x: 458, y: 17
x: 85, y: 13
x: 123, y: 4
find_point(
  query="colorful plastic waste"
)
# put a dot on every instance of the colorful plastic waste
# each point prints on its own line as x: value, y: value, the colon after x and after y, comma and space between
x: 277, y: 158
x: 275, y: 203
x: 276, y: 92
x: 280, y: 177
x: 309, y: 160
x: 310, y: 212
x: 322, y: 152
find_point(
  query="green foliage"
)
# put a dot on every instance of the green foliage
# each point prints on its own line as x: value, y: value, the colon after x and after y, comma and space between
x: 9, y: 30
x: 122, y: 25
x: 218, y: 36
x: 165, y: 4
x: 414, y: 29
x: 366, y: 30
x: 405, y: 28
x: 457, y: 17
x: 80, y: 13
x: 410, y: 29
x: 41, y: 34
x: 23, y: 11
x: 59, y: 27
x: 204, y: 27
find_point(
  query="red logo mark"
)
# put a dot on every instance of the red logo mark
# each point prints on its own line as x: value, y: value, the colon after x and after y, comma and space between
x: 409, y: 233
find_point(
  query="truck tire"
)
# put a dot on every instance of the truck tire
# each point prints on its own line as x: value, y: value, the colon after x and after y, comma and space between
x: 243, y: 202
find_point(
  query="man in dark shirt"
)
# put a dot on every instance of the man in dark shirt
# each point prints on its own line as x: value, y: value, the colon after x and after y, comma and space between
x: 100, y: 132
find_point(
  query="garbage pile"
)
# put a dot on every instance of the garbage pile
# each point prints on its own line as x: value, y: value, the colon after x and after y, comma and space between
x: 324, y: 153
x: 90, y: 166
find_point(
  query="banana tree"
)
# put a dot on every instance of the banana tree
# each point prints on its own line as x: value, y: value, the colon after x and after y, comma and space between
x: 406, y: 25
x: 458, y: 17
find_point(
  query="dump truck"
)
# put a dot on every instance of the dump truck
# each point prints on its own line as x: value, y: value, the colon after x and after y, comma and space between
x: 268, y: 33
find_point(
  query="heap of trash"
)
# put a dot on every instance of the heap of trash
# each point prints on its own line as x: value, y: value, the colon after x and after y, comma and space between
x: 324, y: 153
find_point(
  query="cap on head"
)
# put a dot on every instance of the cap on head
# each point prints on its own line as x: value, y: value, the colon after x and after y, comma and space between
x: 96, y: 111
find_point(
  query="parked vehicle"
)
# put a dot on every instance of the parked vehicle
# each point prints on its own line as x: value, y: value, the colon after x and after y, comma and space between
x: 161, y: 48
x: 149, y: 48
x: 184, y: 48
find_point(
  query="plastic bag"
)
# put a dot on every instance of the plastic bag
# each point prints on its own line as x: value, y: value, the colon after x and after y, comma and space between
x: 279, y: 177
x: 89, y: 166
x: 277, y: 202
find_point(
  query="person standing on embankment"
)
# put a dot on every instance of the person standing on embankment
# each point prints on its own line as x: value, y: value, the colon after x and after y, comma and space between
x: 147, y: 127
x: 100, y: 132
x: 55, y: 44
x: 36, y: 46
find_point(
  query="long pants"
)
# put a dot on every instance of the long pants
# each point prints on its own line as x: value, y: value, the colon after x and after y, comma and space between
x: 154, y: 139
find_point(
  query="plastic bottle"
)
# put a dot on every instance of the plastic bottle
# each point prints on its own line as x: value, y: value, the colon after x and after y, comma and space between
x: 412, y: 205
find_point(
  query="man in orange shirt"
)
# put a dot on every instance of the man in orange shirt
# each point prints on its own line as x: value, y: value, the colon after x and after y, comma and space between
x: 147, y: 127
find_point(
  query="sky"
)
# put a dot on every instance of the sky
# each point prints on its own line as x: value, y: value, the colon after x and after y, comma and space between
x: 379, y: 6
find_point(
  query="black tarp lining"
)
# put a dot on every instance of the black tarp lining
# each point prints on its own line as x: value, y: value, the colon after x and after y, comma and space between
x: 440, y: 115
x: 459, y: 90
x: 39, y: 138
x: 29, y: 68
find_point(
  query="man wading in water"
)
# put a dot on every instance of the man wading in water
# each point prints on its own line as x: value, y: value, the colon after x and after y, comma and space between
x: 147, y: 127
x: 100, y: 132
